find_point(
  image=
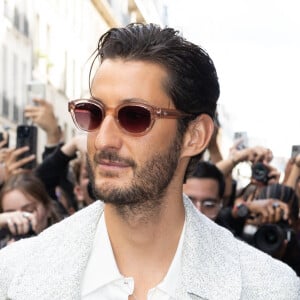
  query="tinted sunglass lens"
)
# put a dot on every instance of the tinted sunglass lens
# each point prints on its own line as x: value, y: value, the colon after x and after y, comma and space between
x: 134, y: 119
x: 88, y: 116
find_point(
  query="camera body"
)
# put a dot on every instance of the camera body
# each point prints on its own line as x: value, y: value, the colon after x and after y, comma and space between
x: 260, y: 173
x: 27, y: 136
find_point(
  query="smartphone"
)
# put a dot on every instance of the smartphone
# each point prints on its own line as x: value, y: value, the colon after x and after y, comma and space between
x: 6, y: 145
x: 35, y: 90
x: 295, y: 150
x: 243, y: 137
x: 27, y: 136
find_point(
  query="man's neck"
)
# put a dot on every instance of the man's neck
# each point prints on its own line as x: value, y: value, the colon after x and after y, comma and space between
x: 144, y: 245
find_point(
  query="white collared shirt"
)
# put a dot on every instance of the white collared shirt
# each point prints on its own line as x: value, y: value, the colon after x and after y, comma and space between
x: 102, y: 279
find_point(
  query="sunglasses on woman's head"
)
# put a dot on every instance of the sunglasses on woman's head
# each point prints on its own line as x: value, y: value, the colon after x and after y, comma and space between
x: 133, y: 117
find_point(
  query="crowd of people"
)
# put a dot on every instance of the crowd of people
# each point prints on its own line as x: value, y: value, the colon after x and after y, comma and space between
x: 142, y: 214
x: 33, y: 199
x: 265, y: 212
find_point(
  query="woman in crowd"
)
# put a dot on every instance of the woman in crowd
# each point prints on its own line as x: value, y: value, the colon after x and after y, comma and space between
x: 25, y: 208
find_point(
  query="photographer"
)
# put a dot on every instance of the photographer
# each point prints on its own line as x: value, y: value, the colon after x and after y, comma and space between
x: 234, y: 215
x: 205, y: 187
x: 250, y: 155
x: 274, y: 227
x: 25, y: 208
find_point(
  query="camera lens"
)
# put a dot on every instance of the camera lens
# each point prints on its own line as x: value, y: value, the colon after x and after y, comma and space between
x: 269, y: 238
x: 260, y: 172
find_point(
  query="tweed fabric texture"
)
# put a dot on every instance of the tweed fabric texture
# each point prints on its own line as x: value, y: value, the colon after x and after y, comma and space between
x: 215, y: 265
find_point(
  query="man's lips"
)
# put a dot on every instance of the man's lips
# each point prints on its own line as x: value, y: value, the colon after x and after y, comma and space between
x: 112, y: 164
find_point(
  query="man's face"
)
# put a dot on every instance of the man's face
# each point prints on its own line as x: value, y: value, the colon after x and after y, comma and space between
x: 204, y: 194
x: 125, y: 169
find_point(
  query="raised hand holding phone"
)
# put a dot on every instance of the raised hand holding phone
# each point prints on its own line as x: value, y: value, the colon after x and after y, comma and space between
x: 27, y: 136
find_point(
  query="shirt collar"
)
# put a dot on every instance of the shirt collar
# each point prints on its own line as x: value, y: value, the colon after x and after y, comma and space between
x: 102, y: 258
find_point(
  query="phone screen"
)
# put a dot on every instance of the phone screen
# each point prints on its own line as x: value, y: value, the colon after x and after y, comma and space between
x: 295, y: 150
x: 35, y: 90
x: 242, y: 136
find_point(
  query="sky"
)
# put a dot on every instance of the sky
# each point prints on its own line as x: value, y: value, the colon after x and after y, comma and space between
x: 255, y: 46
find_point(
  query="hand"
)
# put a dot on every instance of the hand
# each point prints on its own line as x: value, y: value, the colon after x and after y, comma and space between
x: 5, y: 140
x: 43, y: 116
x: 253, y: 154
x: 297, y: 160
x: 18, y: 222
x: 269, y: 210
x: 77, y: 143
x: 12, y: 163
x: 3, y: 154
x: 273, y: 174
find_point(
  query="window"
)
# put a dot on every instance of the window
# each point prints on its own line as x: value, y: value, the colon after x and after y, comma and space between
x: 4, y: 83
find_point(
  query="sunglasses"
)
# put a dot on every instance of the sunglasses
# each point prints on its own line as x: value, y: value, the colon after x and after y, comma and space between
x: 132, y: 117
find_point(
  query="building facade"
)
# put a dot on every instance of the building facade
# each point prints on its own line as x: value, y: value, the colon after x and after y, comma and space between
x: 50, y: 42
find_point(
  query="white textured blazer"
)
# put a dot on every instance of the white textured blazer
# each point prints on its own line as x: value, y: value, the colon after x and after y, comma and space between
x: 215, y: 265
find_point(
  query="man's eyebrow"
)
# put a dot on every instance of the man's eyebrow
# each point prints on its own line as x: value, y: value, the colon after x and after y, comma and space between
x: 211, y: 199
x: 204, y: 199
x: 125, y: 100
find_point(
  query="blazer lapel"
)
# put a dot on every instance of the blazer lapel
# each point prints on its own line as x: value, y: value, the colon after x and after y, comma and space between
x: 59, y: 258
x: 210, y: 262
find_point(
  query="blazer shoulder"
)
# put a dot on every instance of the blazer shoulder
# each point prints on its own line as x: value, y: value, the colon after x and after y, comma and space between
x: 47, y: 250
x: 263, y: 275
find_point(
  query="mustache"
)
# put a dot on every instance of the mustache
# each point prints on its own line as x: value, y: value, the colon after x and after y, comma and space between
x: 112, y: 156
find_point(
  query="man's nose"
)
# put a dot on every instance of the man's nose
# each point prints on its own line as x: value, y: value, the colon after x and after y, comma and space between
x: 109, y: 134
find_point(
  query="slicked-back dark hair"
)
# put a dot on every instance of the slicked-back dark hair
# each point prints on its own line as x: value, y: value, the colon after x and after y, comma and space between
x: 192, y: 81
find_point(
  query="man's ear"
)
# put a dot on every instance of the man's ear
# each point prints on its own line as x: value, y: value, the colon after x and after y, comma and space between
x: 197, y: 136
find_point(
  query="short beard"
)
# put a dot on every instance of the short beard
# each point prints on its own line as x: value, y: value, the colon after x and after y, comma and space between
x: 148, y: 187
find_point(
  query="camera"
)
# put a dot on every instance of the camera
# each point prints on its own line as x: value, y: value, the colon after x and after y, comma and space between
x: 27, y: 136
x: 269, y: 238
x: 5, y: 234
x: 260, y: 172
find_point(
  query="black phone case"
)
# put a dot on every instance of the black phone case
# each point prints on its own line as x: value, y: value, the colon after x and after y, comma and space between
x: 27, y: 136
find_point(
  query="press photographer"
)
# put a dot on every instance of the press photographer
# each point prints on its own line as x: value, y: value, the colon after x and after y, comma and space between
x: 273, y: 229
x: 25, y: 208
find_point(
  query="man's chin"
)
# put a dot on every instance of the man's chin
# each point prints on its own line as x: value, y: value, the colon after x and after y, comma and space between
x: 107, y: 189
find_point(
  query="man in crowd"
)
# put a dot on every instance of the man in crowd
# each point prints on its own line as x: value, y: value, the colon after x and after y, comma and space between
x: 149, y: 119
x: 206, y: 189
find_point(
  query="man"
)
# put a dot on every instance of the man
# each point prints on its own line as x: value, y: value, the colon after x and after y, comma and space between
x: 206, y: 189
x: 148, y: 120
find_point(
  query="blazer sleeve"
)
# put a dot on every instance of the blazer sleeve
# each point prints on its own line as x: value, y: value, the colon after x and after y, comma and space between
x: 12, y: 259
